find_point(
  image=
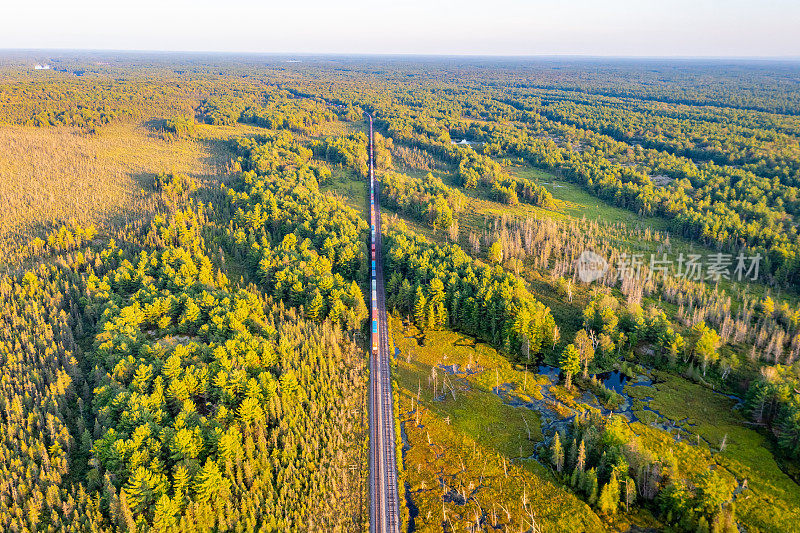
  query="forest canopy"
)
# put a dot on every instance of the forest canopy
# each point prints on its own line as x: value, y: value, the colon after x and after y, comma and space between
x: 186, y: 344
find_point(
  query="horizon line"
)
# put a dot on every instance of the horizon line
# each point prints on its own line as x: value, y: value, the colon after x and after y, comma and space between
x: 511, y: 55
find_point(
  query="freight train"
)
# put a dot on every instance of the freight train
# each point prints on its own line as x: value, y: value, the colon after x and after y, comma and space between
x: 373, y: 242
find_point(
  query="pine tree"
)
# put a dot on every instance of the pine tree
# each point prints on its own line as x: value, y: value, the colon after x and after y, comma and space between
x: 436, y: 291
x: 630, y: 492
x: 557, y: 453
x: 570, y: 363
x: 125, y: 512
x: 165, y: 513
x: 172, y: 366
x: 210, y: 482
x: 441, y: 314
x: 576, y: 479
x: 609, y: 496
x: 591, y: 486
x: 572, y: 455
x: 394, y: 282
x: 337, y: 310
x: 180, y: 484
x: 314, y: 309
x: 581, y: 461
x: 706, y: 345
x: 139, y: 491
x: 406, y: 300
x: 420, y: 308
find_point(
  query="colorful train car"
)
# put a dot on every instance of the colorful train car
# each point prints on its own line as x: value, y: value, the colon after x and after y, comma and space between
x: 375, y: 335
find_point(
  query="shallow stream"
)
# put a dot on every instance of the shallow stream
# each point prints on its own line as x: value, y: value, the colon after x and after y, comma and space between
x: 557, y: 416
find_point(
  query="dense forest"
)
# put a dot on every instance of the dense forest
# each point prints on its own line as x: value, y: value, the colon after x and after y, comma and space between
x: 169, y: 398
x: 185, y: 297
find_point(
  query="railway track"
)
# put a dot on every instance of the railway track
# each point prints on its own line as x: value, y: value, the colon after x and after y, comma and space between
x: 384, y: 504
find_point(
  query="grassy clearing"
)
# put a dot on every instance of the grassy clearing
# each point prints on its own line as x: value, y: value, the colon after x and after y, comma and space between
x: 52, y: 175
x: 350, y: 188
x: 467, y: 453
x: 465, y: 395
x: 576, y: 202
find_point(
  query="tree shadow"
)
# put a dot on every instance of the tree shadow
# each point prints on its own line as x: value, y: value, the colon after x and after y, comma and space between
x: 466, y: 341
x: 146, y: 180
x: 154, y: 125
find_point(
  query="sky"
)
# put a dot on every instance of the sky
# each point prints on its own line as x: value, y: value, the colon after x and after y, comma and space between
x: 677, y: 28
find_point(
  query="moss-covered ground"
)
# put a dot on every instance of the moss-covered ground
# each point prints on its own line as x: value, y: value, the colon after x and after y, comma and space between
x: 705, y: 419
x: 468, y: 456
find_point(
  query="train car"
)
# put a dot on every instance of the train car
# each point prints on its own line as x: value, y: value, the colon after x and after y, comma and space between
x: 374, y: 318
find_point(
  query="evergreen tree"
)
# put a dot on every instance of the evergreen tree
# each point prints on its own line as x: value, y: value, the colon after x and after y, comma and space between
x: 570, y: 364
x: 315, y: 306
x: 406, y: 299
x: 420, y: 308
x: 630, y: 492
x: 609, y: 496
x: 591, y: 486
x: 557, y: 453
x: 580, y: 462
